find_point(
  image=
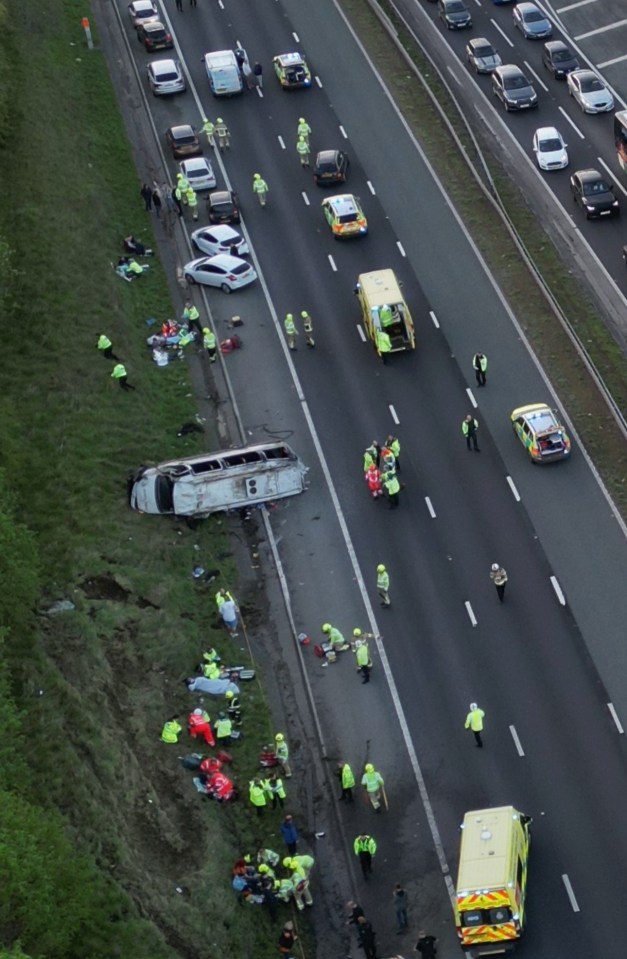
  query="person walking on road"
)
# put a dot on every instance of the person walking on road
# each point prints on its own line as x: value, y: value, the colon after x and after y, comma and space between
x: 498, y: 575
x: 304, y: 130
x: 426, y: 945
x: 260, y: 189
x: 290, y: 330
x: 286, y: 940
x: 392, y: 488
x: 191, y: 316
x: 474, y: 722
x: 366, y: 936
x: 282, y: 752
x: 223, y: 135
x: 106, y: 348
x: 208, y: 128
x: 179, y: 5
x: 362, y: 654
x: 469, y: 428
x: 383, y: 586
x: 372, y: 781
x: 307, y: 327
x: 258, y: 71
x: 392, y: 443
x: 365, y: 847
x: 146, y: 195
x: 302, y: 148
x: 192, y: 202
x: 383, y: 345
x: 372, y: 455
x: 354, y: 911
x: 210, y: 344
x: 120, y: 374
x: 480, y: 365
x: 347, y: 781
x: 399, y: 897
x: 290, y: 834
x: 156, y: 201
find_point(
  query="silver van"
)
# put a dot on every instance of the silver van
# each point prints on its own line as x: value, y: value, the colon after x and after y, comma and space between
x: 223, y: 72
x: 229, y: 479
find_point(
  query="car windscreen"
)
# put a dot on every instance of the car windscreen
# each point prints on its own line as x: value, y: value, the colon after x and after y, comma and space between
x: 590, y: 85
x: 516, y: 82
x: 456, y: 6
x: 485, y: 51
x: 560, y: 56
x: 550, y: 146
x: 534, y: 17
x: 595, y: 188
x: 164, y: 488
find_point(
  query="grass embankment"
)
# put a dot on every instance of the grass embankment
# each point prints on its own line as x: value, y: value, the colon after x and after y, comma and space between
x: 104, y: 824
x: 597, y: 428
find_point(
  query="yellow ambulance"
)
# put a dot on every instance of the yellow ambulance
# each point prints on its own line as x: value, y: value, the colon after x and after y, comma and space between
x: 492, y: 880
x: 385, y: 311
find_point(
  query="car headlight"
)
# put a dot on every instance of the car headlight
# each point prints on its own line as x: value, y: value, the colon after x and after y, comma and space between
x: 615, y: 203
x: 589, y: 207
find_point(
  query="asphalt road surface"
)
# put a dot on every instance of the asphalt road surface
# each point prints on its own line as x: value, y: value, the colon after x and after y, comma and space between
x: 543, y: 670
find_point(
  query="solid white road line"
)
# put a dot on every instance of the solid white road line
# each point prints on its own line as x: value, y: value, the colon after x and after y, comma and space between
x: 611, y: 63
x: 394, y: 416
x: 332, y: 262
x: 502, y: 32
x: 430, y: 507
x: 471, y: 397
x: 296, y: 37
x: 572, y: 123
x: 400, y: 247
x: 434, y: 319
x: 318, y: 81
x: 282, y: 144
x: 343, y: 132
x: 595, y: 33
x: 370, y: 187
x: 512, y: 486
x: 305, y: 198
x: 614, y: 716
x: 575, y: 6
x: 571, y: 894
x: 259, y: 92
x: 609, y: 170
x: 517, y: 742
x: 558, y: 591
x: 361, y: 333
x: 471, y: 615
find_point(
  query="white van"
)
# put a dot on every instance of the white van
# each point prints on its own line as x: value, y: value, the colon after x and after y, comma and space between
x: 223, y: 72
x: 229, y: 479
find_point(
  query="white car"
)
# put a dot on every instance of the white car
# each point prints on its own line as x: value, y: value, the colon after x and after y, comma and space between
x: 227, y: 272
x: 142, y: 11
x: 550, y: 149
x: 199, y: 172
x: 589, y: 91
x: 165, y: 77
x: 220, y: 238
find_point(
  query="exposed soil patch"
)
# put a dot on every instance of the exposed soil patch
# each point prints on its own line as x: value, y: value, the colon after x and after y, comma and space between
x: 104, y: 586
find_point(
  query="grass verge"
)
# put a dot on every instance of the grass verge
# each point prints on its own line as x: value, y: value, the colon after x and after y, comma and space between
x: 597, y: 428
x: 95, y: 684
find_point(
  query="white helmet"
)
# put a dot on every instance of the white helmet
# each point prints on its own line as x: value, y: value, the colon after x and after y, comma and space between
x: 473, y: 706
x: 495, y: 566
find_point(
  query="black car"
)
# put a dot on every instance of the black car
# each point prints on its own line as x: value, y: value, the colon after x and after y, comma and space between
x: 455, y: 14
x: 513, y: 88
x: 594, y: 194
x: 154, y: 36
x: 559, y: 59
x: 331, y: 166
x: 223, y: 207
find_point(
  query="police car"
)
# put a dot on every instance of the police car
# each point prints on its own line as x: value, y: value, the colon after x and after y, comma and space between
x: 345, y: 216
x: 539, y: 430
x: 292, y: 71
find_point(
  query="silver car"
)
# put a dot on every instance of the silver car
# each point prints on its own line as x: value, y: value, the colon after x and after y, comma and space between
x: 142, y: 11
x: 482, y: 56
x: 166, y: 77
x: 219, y: 238
x: 589, y: 91
x: 226, y: 272
x: 532, y: 22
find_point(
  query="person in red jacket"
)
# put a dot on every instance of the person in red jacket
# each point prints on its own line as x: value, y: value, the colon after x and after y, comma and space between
x: 373, y: 479
x: 198, y: 725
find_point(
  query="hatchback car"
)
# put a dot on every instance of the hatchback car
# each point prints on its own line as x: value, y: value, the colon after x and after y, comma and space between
x: 539, y: 430
x: 292, y: 71
x: 220, y: 238
x: 345, y: 216
x: 550, y: 149
x: 224, y: 271
x: 594, y: 194
x: 166, y: 77
x: 589, y: 91
x: 331, y: 166
x: 154, y: 36
x: 142, y: 11
x: 532, y: 23
x: 455, y: 14
x: 183, y: 141
x: 199, y: 172
x: 223, y: 207
x: 513, y: 88
x: 559, y: 59
x: 482, y: 56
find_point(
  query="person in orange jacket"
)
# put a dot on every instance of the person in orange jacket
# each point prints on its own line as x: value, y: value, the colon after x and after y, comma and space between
x: 373, y: 479
x: 198, y: 725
